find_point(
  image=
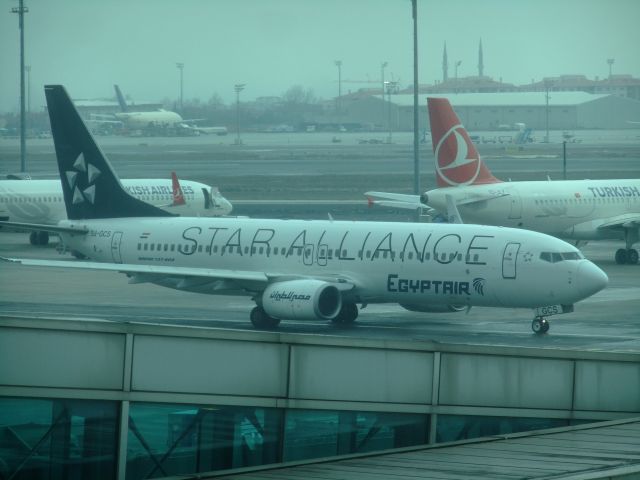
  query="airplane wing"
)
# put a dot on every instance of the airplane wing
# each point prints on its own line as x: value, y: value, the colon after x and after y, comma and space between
x: 219, y: 279
x: 44, y: 227
x: 480, y: 198
x: 626, y: 220
x: 395, y: 200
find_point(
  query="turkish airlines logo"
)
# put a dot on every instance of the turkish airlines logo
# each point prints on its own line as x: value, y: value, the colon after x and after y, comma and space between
x: 454, y: 164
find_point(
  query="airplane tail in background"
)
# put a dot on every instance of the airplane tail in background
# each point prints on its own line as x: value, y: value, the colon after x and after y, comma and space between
x: 90, y: 187
x: 121, y: 100
x: 178, y: 196
x: 457, y: 160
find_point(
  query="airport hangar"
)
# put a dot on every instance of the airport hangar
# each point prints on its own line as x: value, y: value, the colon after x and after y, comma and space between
x: 104, y: 400
x: 488, y: 111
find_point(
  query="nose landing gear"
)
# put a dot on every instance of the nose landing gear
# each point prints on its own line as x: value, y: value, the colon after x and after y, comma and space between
x: 540, y: 325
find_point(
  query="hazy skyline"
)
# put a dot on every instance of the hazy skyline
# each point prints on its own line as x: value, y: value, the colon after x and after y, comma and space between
x: 270, y: 46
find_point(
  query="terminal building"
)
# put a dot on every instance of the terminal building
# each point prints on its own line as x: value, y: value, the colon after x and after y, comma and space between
x: 494, y: 111
x: 109, y: 400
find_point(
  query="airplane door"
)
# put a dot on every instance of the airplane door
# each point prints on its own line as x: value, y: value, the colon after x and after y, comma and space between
x: 308, y: 254
x: 323, y: 253
x: 516, y: 206
x: 116, y: 240
x: 509, y: 259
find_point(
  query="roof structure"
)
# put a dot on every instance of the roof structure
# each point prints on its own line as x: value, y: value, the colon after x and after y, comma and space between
x: 508, y: 99
x: 608, y: 450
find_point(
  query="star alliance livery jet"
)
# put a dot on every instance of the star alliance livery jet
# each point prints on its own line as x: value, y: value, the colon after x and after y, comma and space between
x: 41, y: 201
x: 305, y: 270
x: 578, y: 210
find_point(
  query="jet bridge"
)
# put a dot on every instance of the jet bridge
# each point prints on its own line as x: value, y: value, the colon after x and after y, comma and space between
x: 105, y: 400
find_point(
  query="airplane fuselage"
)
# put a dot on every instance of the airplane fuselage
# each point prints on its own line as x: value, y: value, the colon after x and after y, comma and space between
x: 419, y: 264
x: 160, y: 118
x: 40, y: 201
x: 570, y: 209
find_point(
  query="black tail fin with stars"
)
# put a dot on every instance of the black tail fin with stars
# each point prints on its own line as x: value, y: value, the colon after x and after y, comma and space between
x: 90, y: 186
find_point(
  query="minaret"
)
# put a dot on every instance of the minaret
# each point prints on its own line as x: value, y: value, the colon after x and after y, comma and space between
x: 445, y: 65
x: 480, y: 63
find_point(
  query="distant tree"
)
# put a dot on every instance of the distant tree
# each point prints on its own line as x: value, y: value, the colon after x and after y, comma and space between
x: 215, y: 101
x: 298, y: 95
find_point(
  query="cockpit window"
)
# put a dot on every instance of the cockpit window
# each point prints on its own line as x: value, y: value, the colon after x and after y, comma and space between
x: 555, y: 257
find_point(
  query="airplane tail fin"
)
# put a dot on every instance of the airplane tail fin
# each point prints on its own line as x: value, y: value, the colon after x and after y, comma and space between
x: 457, y: 160
x: 90, y: 187
x: 121, y: 100
x: 178, y: 196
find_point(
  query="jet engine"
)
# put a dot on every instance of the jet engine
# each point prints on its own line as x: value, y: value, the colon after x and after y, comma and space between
x: 417, y: 307
x: 302, y: 300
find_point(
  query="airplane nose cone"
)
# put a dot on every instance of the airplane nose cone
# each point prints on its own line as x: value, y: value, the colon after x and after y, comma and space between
x: 590, y: 279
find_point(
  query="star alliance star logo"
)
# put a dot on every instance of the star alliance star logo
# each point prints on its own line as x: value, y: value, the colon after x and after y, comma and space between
x: 478, y: 285
x: 86, y: 172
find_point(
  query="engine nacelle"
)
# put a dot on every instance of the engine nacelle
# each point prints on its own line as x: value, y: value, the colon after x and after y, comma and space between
x: 417, y: 307
x: 302, y: 300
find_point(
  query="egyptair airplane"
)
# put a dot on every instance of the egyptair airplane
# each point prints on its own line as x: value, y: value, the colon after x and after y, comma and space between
x: 578, y: 210
x: 41, y: 201
x: 304, y: 270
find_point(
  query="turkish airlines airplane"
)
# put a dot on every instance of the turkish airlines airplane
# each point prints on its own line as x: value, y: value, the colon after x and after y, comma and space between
x: 578, y: 210
x: 41, y: 201
x: 304, y: 270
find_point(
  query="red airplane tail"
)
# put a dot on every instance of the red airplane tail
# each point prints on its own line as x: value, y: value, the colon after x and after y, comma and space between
x: 457, y: 160
x: 178, y: 196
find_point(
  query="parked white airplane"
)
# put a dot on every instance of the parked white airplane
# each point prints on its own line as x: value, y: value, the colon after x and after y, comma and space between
x: 304, y: 269
x: 160, y: 121
x: 576, y: 210
x: 41, y: 201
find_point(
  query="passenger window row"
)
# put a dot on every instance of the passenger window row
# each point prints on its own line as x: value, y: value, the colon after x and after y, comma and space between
x: 298, y: 251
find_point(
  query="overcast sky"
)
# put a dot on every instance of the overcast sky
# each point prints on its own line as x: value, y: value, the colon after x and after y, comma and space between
x: 88, y: 45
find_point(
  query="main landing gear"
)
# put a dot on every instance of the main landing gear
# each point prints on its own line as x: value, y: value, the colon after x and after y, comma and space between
x: 262, y: 321
x: 629, y: 256
x: 540, y: 325
x: 348, y: 314
x: 39, y: 238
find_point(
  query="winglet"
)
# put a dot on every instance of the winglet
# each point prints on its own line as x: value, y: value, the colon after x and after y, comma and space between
x: 457, y: 160
x: 453, y: 215
x: 178, y: 196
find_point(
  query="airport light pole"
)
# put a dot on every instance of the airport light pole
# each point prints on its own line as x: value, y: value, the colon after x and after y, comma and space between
x: 416, y: 126
x: 180, y: 66
x: 610, y: 62
x: 21, y: 10
x: 383, y: 65
x: 27, y: 69
x: 547, y: 84
x: 456, y: 65
x: 390, y: 87
x: 238, y: 87
x: 338, y: 63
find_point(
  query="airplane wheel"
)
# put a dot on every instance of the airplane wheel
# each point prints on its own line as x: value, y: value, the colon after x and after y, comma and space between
x: 539, y: 325
x: 33, y: 238
x: 348, y: 314
x: 43, y: 238
x: 545, y: 325
x: 632, y: 256
x: 621, y: 256
x: 261, y: 320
